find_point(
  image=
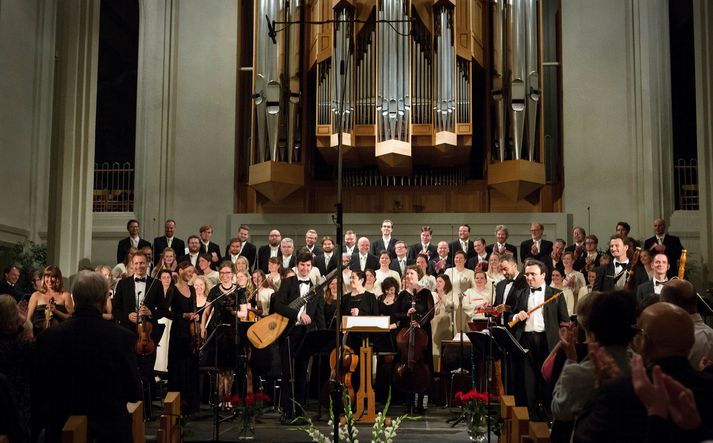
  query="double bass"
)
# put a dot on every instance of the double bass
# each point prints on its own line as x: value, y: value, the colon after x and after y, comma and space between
x: 412, y: 374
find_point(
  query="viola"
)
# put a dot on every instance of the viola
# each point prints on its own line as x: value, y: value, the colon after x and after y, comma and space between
x: 144, y: 344
x: 348, y: 365
x: 49, y: 314
x: 412, y: 374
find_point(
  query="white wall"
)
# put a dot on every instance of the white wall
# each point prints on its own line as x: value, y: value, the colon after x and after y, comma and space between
x: 26, y: 63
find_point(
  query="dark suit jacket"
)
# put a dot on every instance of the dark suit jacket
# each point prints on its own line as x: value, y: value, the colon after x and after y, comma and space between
x: 474, y: 261
x: 250, y: 252
x: 212, y: 247
x: 123, y: 248
x: 553, y: 312
x: 645, y: 294
x: 456, y: 246
x: 289, y: 291
x: 615, y: 413
x: 7, y: 288
x: 673, y: 250
x: 394, y: 266
x: 508, y: 247
x: 293, y: 261
x: 378, y: 246
x: 95, y: 363
x: 317, y: 250
x: 432, y: 266
x: 124, y: 302
x: 416, y: 249
x: 160, y: 243
x: 606, y: 280
x: 263, y: 257
x: 545, y: 251
x: 519, y: 284
x: 372, y: 262
x: 324, y: 269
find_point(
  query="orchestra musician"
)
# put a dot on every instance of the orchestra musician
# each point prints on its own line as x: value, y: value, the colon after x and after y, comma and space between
x: 309, y: 317
x: 51, y: 304
x: 417, y: 303
x: 137, y: 296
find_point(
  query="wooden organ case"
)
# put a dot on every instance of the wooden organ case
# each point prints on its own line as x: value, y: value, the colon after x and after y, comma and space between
x: 421, y: 132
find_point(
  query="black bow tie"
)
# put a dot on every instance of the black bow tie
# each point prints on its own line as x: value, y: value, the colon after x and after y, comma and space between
x: 535, y: 289
x: 660, y: 283
x: 623, y: 265
x: 305, y: 282
x: 140, y: 279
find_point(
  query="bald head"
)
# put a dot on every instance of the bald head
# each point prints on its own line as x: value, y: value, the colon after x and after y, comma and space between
x: 680, y: 293
x: 669, y: 330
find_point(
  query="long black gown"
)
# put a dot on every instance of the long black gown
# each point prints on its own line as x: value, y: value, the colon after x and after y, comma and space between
x: 182, y: 362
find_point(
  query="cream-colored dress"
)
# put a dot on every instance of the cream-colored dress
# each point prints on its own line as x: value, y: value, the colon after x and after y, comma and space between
x: 381, y: 276
x: 441, y: 324
x: 568, y: 298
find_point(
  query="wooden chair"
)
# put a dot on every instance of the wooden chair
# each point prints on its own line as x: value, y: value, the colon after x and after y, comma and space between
x: 169, y: 430
x: 519, y: 424
x: 507, y: 403
x: 538, y: 432
x: 75, y: 429
x: 136, y: 411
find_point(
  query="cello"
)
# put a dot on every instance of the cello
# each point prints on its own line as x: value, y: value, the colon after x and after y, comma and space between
x: 412, y: 374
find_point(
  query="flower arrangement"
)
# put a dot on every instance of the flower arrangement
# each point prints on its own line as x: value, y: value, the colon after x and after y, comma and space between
x: 475, y: 410
x: 249, y: 408
x: 383, y: 431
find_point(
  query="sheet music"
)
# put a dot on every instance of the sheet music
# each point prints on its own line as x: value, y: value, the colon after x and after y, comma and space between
x: 370, y: 321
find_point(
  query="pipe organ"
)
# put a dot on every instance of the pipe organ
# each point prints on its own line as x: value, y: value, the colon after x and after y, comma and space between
x: 395, y: 81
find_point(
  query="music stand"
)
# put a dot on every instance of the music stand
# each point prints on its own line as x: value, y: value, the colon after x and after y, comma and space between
x: 484, y: 343
x: 517, y: 359
x: 317, y: 343
x: 243, y: 327
x: 213, y: 371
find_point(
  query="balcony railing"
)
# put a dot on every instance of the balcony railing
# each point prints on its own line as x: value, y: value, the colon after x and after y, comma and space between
x: 686, y: 184
x: 113, y: 187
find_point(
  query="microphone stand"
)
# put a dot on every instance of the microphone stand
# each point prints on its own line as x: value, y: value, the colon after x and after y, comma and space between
x: 459, y: 312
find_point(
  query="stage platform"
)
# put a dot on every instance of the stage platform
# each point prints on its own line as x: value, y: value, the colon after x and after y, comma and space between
x: 432, y: 426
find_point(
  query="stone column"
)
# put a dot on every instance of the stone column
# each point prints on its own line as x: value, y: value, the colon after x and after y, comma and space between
x: 703, y: 47
x: 72, y: 156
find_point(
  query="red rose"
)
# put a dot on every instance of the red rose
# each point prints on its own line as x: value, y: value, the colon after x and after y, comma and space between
x: 235, y: 400
x: 250, y: 400
x: 459, y: 395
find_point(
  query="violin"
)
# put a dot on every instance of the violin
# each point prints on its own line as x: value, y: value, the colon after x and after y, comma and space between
x: 144, y: 345
x: 49, y: 314
x: 412, y: 374
x: 629, y: 284
x: 195, y: 331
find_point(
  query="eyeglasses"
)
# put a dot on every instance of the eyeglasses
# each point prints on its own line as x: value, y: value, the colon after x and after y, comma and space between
x: 225, y: 272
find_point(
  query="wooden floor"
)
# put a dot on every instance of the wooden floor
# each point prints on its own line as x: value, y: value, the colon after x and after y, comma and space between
x: 431, y: 426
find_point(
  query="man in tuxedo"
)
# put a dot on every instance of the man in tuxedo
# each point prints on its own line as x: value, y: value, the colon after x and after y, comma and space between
x: 302, y: 319
x: 207, y: 247
x: 133, y: 297
x: 350, y: 240
x: 538, y: 332
x: 233, y: 251
x: 480, y: 256
x: 442, y: 261
x: 423, y: 247
x: 9, y: 284
x: 536, y: 247
x: 649, y: 291
x: 363, y: 259
x: 271, y: 249
x: 506, y: 290
x: 501, y: 242
x: 327, y: 260
x: 247, y: 249
x: 95, y: 363
x: 168, y: 241
x: 401, y: 262
x: 577, y: 247
x: 464, y: 243
x: 311, y: 243
x: 194, y: 249
x: 613, y: 275
x: 132, y: 241
x: 287, y: 248
x: 666, y: 243
x: 386, y: 242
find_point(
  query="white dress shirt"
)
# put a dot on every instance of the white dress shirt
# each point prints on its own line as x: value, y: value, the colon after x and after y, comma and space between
x: 536, y: 321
